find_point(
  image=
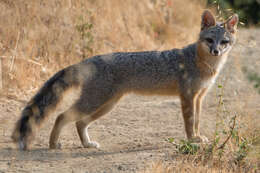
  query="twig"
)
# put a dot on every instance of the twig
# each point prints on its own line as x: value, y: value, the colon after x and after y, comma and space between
x: 34, y: 62
x: 15, y: 52
x: 126, y: 26
x: 231, y: 132
x: 1, y: 77
x: 28, y: 60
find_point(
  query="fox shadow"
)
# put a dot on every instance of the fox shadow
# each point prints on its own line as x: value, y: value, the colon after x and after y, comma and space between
x: 46, y: 155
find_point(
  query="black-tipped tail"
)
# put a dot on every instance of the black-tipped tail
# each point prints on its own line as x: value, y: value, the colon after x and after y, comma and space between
x: 36, y: 110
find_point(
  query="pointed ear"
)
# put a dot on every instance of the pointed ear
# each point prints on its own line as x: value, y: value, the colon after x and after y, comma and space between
x: 231, y: 24
x: 207, y: 20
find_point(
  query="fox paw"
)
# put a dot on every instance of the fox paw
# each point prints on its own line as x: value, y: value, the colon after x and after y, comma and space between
x: 55, y: 146
x: 199, y: 139
x: 22, y: 145
x: 91, y: 144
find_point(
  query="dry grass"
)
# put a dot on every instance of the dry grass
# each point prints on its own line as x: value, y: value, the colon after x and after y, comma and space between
x: 185, y: 166
x: 234, y: 157
x: 39, y: 38
x: 235, y: 146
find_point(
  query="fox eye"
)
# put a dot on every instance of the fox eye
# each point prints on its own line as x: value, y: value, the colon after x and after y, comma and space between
x: 224, y: 42
x: 209, y: 40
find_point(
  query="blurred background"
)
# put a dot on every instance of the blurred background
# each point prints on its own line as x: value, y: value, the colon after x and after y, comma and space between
x: 248, y: 10
x: 40, y: 37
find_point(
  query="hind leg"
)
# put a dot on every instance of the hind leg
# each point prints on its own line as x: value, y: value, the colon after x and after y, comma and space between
x: 82, y: 128
x: 82, y: 125
x: 63, y: 119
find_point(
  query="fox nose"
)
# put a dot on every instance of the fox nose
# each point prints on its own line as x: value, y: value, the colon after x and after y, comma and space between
x: 215, y: 52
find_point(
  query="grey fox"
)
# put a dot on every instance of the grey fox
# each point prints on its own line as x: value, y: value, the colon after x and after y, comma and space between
x: 86, y: 91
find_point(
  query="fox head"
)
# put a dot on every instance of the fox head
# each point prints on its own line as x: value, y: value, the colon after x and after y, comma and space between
x: 217, y: 38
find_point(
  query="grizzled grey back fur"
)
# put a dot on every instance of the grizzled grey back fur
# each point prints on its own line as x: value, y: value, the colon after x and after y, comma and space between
x: 146, y: 70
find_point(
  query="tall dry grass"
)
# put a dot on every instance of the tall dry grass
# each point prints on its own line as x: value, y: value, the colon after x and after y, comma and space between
x: 40, y: 37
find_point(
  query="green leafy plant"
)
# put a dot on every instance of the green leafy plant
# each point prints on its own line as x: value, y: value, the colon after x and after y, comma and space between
x: 248, y: 10
x: 186, y: 147
x: 85, y: 31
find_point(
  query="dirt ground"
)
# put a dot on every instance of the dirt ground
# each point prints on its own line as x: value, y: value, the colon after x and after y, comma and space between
x: 134, y: 134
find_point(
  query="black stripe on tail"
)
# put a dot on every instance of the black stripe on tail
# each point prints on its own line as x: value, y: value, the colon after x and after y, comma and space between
x: 35, y: 111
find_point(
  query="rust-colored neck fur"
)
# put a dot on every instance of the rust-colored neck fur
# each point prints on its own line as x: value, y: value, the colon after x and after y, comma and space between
x: 208, y: 64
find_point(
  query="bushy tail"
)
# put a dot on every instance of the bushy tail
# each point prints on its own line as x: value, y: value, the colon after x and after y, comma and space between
x: 39, y: 106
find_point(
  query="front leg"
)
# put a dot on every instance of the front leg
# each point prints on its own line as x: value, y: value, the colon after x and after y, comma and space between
x: 188, y: 104
x: 199, y: 100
